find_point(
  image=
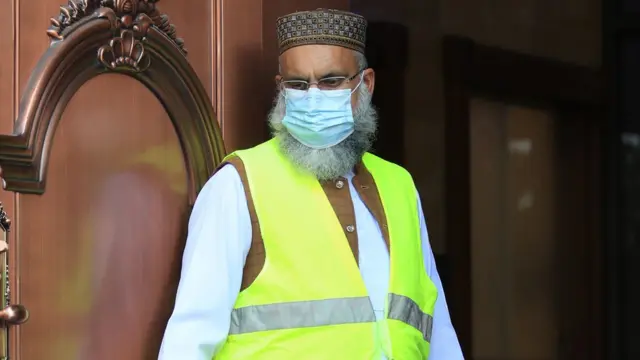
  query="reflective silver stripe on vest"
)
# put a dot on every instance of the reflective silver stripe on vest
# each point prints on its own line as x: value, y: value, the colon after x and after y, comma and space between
x: 313, y: 313
x: 301, y: 314
x: 404, y: 309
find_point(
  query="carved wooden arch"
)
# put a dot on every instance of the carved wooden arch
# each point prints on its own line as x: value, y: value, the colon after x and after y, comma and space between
x: 92, y: 37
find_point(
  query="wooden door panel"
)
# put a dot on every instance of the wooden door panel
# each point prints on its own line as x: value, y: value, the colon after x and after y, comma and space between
x: 114, y: 137
x: 30, y: 37
x: 194, y: 22
x: 514, y: 246
x: 7, y: 69
x: 7, y: 94
x: 98, y: 273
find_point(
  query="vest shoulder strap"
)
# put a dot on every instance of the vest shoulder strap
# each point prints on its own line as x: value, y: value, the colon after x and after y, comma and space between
x: 389, y: 175
x: 256, y: 256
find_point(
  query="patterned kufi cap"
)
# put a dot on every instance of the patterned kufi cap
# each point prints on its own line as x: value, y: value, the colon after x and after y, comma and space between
x: 324, y: 27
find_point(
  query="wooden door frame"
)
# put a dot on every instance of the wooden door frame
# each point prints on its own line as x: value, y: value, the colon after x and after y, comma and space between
x: 472, y: 70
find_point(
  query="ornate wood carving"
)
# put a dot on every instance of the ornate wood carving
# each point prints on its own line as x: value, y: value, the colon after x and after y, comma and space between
x: 89, y: 38
x: 130, y: 20
x: 130, y: 13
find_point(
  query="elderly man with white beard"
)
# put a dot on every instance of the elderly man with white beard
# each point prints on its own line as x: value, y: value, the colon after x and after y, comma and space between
x: 308, y: 247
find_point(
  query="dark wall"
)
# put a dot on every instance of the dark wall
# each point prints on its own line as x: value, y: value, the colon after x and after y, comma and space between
x: 622, y: 63
x: 387, y: 54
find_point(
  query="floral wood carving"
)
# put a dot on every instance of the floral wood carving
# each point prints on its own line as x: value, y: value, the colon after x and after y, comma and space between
x: 132, y: 38
x: 124, y: 51
x: 136, y: 15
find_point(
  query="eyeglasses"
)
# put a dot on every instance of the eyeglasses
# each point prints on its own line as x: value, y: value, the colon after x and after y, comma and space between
x: 329, y: 83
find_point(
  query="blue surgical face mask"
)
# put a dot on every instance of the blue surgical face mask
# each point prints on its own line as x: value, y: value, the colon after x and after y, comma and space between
x: 318, y: 118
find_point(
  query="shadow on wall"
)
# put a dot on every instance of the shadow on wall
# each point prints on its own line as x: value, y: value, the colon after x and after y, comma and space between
x: 387, y: 53
x: 251, y: 95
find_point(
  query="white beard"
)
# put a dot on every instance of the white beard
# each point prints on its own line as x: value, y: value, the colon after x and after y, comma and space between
x: 338, y: 160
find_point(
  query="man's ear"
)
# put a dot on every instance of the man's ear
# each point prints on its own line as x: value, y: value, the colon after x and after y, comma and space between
x: 369, y: 79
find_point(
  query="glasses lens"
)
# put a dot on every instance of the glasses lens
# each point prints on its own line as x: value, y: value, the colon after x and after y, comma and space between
x: 331, y: 83
x: 296, y: 85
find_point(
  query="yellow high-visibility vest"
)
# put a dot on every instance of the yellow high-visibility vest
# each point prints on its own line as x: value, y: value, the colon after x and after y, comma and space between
x: 309, y: 302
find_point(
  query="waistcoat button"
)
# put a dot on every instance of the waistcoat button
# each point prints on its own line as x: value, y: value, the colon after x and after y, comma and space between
x: 339, y: 184
x: 351, y: 228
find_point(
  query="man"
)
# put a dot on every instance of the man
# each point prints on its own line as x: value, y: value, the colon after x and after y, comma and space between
x: 306, y: 246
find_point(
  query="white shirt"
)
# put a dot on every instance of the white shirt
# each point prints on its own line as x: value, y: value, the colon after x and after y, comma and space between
x: 214, y: 257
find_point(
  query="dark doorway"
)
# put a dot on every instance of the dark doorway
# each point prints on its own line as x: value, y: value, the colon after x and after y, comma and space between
x: 522, y: 199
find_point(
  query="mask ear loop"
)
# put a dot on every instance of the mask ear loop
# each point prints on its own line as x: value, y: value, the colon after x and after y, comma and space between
x: 359, y: 83
x: 282, y: 91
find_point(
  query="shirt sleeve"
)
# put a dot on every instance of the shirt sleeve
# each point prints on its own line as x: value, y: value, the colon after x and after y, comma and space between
x: 444, y: 341
x: 218, y: 241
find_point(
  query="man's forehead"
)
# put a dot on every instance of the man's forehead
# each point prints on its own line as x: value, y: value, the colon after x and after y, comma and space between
x: 314, y: 58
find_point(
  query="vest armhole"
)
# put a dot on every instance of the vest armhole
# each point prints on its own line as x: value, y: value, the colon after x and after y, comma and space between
x: 256, y: 256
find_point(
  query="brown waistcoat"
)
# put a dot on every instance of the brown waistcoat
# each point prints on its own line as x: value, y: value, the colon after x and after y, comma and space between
x: 338, y: 195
